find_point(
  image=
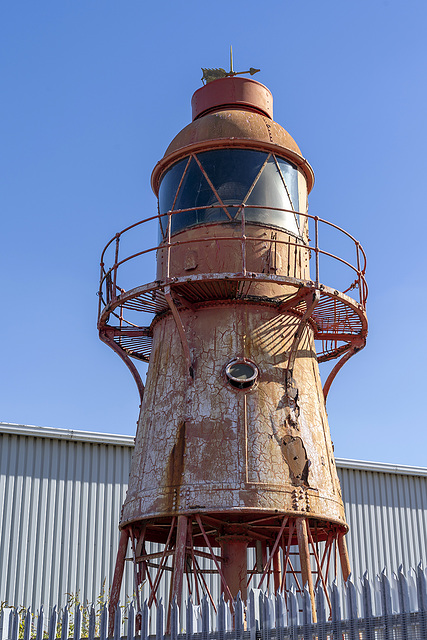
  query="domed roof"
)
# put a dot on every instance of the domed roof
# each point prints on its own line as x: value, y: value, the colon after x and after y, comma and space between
x: 233, y: 123
x: 220, y: 123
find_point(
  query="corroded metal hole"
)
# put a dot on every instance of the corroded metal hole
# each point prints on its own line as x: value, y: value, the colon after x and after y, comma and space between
x: 241, y: 374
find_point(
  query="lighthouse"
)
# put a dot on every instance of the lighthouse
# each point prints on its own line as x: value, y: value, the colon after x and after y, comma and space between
x: 233, y: 459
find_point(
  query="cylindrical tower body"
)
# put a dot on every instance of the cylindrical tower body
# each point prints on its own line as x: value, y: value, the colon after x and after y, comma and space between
x: 233, y: 449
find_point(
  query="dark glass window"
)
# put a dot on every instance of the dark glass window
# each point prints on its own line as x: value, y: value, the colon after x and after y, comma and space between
x: 237, y: 176
x: 241, y: 374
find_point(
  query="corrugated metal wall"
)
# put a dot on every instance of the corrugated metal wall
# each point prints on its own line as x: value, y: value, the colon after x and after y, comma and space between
x: 387, y: 515
x: 60, y: 504
x: 61, y: 494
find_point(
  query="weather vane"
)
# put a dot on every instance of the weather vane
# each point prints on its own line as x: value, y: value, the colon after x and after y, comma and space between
x: 213, y: 74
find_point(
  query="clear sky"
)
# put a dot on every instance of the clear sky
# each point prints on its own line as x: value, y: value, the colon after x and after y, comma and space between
x: 92, y: 93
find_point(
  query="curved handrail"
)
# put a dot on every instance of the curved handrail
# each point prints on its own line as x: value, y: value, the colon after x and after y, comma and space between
x: 108, y: 278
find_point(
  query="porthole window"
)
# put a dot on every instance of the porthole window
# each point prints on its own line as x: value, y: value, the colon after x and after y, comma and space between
x: 241, y: 374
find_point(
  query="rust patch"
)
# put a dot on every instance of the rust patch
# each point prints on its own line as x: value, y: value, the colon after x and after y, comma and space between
x: 175, y: 467
x: 295, y: 455
x: 289, y: 402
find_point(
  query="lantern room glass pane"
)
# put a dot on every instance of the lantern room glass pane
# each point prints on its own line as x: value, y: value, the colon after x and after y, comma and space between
x: 232, y: 174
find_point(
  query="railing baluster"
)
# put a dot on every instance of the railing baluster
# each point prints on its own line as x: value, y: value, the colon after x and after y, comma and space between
x: 243, y: 241
x: 316, y: 244
x: 116, y: 259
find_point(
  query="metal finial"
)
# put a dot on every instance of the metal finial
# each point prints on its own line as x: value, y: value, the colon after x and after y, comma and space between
x: 214, y: 74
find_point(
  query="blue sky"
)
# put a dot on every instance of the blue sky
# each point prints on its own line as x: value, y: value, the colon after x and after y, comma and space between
x: 92, y: 94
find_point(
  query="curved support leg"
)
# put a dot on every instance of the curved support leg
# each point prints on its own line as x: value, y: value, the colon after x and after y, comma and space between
x: 345, y: 561
x: 126, y: 359
x: 357, y: 346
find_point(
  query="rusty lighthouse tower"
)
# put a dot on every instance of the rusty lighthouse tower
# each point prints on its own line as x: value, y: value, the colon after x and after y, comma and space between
x: 233, y: 461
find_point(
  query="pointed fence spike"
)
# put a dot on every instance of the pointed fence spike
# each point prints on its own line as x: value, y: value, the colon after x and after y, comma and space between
x: 131, y: 622
x: 14, y: 628
x: 117, y: 621
x: 251, y: 615
x: 222, y: 617
x: 102, y: 623
x: 40, y: 621
x: 92, y: 623
x: 280, y: 608
x: 336, y: 610
x: 159, y: 621
x: 144, y: 621
x: 321, y: 612
x: 205, y: 618
x: 64, y: 624
x: 293, y: 613
x: 27, y: 624
x: 422, y: 599
x: 366, y: 597
x: 367, y: 608
x: 421, y: 588
x: 403, y: 590
x: 261, y: 609
x: 174, y: 619
x: 404, y: 604
x: 387, y: 605
x: 386, y: 601
x: 352, y: 610
x: 77, y: 622
x: 189, y: 618
x: 306, y: 611
x: 52, y: 625
x: 238, y: 617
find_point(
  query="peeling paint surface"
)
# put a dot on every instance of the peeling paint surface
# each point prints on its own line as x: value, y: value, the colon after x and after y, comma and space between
x: 204, y: 444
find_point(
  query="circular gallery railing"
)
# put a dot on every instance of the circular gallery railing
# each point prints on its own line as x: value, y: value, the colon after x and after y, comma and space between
x: 339, y: 320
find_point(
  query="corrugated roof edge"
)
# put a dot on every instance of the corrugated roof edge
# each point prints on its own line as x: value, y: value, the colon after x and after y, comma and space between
x: 128, y: 441
x: 66, y: 434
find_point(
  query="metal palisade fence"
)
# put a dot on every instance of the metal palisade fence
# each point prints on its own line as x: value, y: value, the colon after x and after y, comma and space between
x: 378, y: 609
